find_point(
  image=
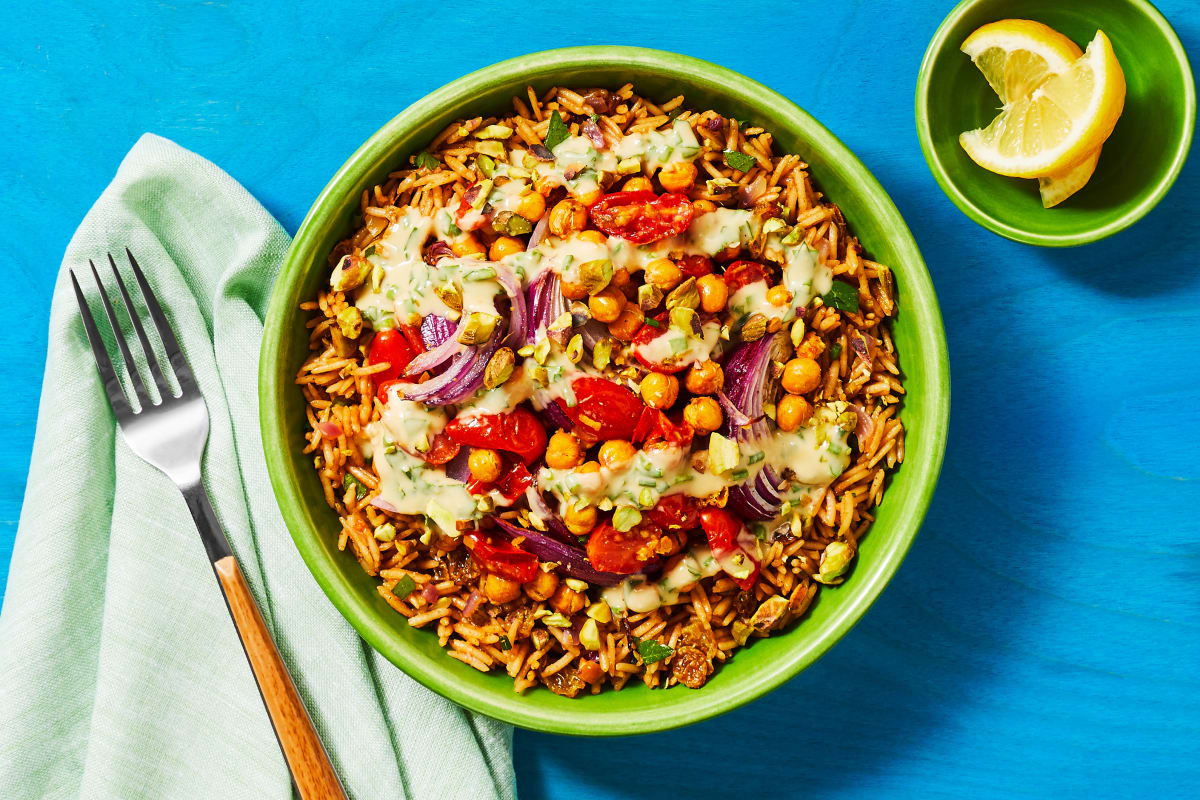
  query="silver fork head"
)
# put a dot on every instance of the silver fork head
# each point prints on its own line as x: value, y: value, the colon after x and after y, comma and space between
x: 168, y: 431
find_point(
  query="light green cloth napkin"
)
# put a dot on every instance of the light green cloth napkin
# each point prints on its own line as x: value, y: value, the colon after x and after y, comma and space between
x: 121, y: 675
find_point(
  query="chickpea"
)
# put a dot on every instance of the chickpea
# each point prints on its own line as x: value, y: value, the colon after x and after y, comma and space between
x: 627, y: 324
x: 779, y: 296
x: 714, y: 293
x: 545, y: 185
x: 677, y: 176
x: 703, y: 414
x: 637, y: 184
x: 531, y: 206
x: 659, y: 390
x: 485, y: 464
x: 792, y: 411
x: 505, y: 246
x: 466, y: 245
x: 500, y: 590
x: 567, y: 601
x: 588, y: 467
x: 572, y: 290
x: 621, y: 280
x: 702, y: 207
x: 705, y: 377
x: 801, y: 375
x: 663, y: 273
x: 595, y: 237
x: 542, y: 586
x: 591, y: 196
x: 580, y: 520
x: 615, y: 453
x: 811, y: 346
x: 607, y: 304
x: 567, y: 216
x: 564, y: 451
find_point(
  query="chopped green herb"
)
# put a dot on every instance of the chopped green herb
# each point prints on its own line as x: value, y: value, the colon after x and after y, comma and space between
x: 370, y: 251
x: 652, y: 651
x: 841, y: 296
x: 653, y: 323
x: 754, y: 458
x: 505, y: 644
x: 427, y: 161
x: 835, y: 349
x: 739, y: 161
x: 740, y: 474
x: 557, y: 133
x: 481, y: 274
x: 351, y: 482
x: 454, y: 229
x: 404, y: 587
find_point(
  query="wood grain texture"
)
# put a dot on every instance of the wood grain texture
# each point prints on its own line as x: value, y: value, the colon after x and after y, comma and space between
x: 312, y: 773
x: 1043, y: 636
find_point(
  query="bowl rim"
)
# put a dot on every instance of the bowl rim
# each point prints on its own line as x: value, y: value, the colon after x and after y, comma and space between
x: 927, y: 330
x: 992, y: 223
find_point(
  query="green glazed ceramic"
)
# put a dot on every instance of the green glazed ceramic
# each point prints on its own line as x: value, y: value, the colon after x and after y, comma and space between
x: 766, y: 663
x: 1139, y: 162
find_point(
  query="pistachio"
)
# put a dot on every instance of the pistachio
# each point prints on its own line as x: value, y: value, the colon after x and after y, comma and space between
x: 486, y: 164
x: 575, y: 348
x: 649, y: 296
x: 835, y: 560
x: 741, y: 632
x: 562, y: 322
x: 350, y: 322
x: 719, y: 185
x: 579, y: 313
x: 525, y: 351
x: 625, y: 518
x: 491, y: 148
x: 494, y: 132
x: 385, y: 532
x: 772, y: 225
x: 480, y: 191
x: 602, y: 353
x: 797, y: 333
x: 541, y: 350
x: 451, y: 294
x: 499, y: 368
x: 647, y: 498
x: 518, y: 225
x: 349, y: 274
x: 478, y: 328
x: 793, y: 237
x: 754, y: 328
x: 686, y: 320
x: 770, y: 614
x: 685, y: 295
x: 589, y: 635
x: 723, y: 454
x: 628, y: 166
x: 595, y: 275
x: 542, y: 376
x: 600, y: 611
x: 557, y: 619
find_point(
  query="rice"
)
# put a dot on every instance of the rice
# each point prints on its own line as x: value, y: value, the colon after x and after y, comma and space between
x: 706, y: 624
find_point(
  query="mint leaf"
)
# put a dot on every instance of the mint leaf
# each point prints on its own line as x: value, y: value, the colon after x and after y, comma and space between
x: 427, y: 161
x: 557, y: 133
x: 360, y: 488
x: 842, y: 296
x: 404, y: 587
x: 652, y: 651
x: 739, y: 161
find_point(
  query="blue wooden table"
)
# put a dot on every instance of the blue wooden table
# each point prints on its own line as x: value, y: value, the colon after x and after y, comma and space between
x: 1043, y: 637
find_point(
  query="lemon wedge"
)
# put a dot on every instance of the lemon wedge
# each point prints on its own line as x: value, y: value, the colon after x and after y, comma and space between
x: 1045, y: 128
x: 1058, y: 187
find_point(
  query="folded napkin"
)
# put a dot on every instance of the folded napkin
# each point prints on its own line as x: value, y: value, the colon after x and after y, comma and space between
x: 121, y: 675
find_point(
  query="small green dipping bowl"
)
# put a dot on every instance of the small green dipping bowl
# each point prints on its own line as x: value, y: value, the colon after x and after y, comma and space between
x: 1139, y: 162
x: 766, y: 663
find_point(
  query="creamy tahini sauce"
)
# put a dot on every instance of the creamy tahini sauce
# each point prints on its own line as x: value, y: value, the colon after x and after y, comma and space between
x: 638, y: 594
x: 802, y: 275
x: 675, y: 347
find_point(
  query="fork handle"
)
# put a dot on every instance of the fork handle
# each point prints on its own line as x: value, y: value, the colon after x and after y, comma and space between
x: 311, y: 770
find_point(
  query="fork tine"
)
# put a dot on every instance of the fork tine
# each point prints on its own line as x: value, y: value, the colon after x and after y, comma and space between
x: 108, y: 376
x: 164, y: 390
x: 135, y: 377
x: 183, y: 372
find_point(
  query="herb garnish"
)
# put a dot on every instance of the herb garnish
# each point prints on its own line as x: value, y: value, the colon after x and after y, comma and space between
x: 841, y: 296
x: 739, y: 161
x: 653, y: 323
x: 835, y: 349
x: 505, y: 644
x: 652, y: 651
x: 404, y: 587
x: 557, y: 132
x: 427, y: 161
x: 360, y: 488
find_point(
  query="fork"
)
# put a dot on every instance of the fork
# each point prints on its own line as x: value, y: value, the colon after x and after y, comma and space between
x: 170, y: 434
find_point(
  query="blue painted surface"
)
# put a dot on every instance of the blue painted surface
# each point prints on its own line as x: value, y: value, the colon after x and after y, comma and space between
x: 1042, y: 638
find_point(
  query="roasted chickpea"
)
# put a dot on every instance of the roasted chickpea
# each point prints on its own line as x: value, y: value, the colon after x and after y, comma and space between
x: 662, y: 273
x: 627, y: 324
x: 591, y: 196
x: 466, y: 245
x: 801, y: 375
x: 531, y: 206
x: 588, y: 467
x: 580, y: 520
x: 621, y: 280
x: 779, y: 296
x: 607, y: 304
x: 702, y: 207
x: 567, y: 601
x: 595, y: 237
x: 572, y: 290
x: 564, y: 451
x: 615, y: 453
x: 567, y: 216
x: 542, y: 586
x: 637, y: 184
x: 811, y: 346
x: 705, y: 377
x: 659, y: 390
x: 714, y: 293
x: 500, y: 590
x: 485, y: 464
x: 677, y: 176
x: 792, y: 411
x: 703, y: 414
x: 504, y: 246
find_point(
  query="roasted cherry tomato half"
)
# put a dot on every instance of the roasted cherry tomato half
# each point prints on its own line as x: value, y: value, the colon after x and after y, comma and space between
x: 695, y: 266
x: 603, y: 409
x: 501, y: 557
x: 723, y: 530
x: 441, y: 450
x: 513, y: 481
x: 623, y: 552
x: 744, y: 273
x: 393, y: 347
x: 647, y: 334
x: 642, y: 217
x: 518, y: 431
x: 676, y: 512
x: 655, y: 426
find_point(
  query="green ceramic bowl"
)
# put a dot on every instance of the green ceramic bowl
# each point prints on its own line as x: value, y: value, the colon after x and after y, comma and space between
x: 1139, y: 162
x: 766, y: 663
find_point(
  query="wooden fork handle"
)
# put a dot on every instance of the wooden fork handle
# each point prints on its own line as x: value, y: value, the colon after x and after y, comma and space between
x: 311, y: 770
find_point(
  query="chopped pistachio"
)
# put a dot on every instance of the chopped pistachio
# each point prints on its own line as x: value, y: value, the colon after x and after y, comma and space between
x: 649, y: 296
x: 723, y: 454
x: 646, y: 498
x: 686, y: 320
x: 625, y: 518
x: 442, y: 517
x: 557, y: 620
x: 772, y: 225
x: 741, y: 632
x: 385, y: 532
x: 518, y: 225
x: 478, y: 328
x: 754, y: 328
x: 628, y: 166
x: 605, y: 504
x: 719, y: 185
x: 486, y: 163
x: 835, y: 560
x: 541, y: 350
x: 499, y: 368
x: 579, y: 313
x: 561, y: 322
x: 595, y: 275
x: 575, y: 348
x: 589, y: 635
x: 600, y: 611
x: 792, y: 238
x: 576, y: 584
x: 490, y: 148
x: 797, y: 333
x: 350, y: 322
x: 770, y: 614
x: 451, y: 294
x: 684, y: 295
x: 602, y: 353
x: 485, y: 189
x: 349, y: 273
x: 525, y: 351
x: 494, y: 132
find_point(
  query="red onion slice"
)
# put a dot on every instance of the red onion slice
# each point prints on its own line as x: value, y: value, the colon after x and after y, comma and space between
x: 329, y: 430
x: 384, y: 505
x: 570, y: 559
x: 460, y: 379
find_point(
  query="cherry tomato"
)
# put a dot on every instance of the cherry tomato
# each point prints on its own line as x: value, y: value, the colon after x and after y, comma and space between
x: 513, y: 481
x: 744, y: 273
x: 384, y: 390
x: 467, y: 218
x: 695, y: 266
x: 393, y: 347
x: 647, y: 334
x: 501, y: 557
x: 441, y: 449
x: 518, y: 431
x: 623, y: 552
x: 603, y: 409
x: 676, y: 512
x: 412, y: 335
x: 655, y: 426
x: 723, y: 529
x: 642, y: 217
